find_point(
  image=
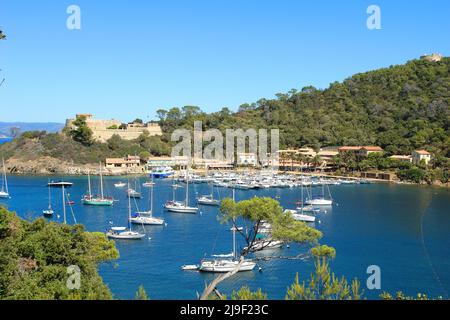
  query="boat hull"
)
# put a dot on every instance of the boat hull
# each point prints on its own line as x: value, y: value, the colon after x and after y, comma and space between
x: 126, y: 235
x: 182, y: 209
x: 98, y: 202
x: 319, y: 202
x: 225, y: 266
x: 4, y: 195
x: 147, y: 221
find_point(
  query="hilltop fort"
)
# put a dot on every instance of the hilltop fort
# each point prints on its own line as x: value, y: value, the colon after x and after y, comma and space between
x: 102, y: 130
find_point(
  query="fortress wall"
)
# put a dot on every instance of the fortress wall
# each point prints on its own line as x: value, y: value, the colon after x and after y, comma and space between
x: 104, y: 135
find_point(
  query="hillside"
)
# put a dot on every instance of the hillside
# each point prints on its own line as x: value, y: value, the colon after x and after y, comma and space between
x: 400, y: 108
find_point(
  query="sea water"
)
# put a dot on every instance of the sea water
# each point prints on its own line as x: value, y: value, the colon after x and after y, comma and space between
x: 404, y: 230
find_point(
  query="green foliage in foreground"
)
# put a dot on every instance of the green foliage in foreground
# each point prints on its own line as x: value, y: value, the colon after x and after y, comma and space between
x: 257, y: 209
x: 323, y: 284
x: 34, y: 257
x: 141, y: 294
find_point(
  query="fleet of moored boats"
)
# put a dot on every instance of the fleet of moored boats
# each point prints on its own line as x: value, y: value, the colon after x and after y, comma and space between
x: 305, y: 210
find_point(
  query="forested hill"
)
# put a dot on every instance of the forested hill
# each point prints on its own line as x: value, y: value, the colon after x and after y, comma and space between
x: 400, y: 108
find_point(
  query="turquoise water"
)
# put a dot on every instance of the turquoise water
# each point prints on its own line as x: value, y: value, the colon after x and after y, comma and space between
x: 405, y: 230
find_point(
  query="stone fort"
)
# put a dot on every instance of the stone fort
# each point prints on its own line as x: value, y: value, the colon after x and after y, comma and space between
x: 104, y: 129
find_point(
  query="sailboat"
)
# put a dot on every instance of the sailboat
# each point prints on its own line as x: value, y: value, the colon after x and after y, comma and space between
x: 133, y: 193
x: 182, y: 207
x: 91, y: 200
x: 124, y: 233
x: 226, y: 263
x: 146, y: 217
x: 209, y: 200
x: 299, y: 214
x: 4, y: 192
x: 49, y: 211
x: 321, y: 201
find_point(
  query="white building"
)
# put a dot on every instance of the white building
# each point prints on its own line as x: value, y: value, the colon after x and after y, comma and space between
x: 419, y: 155
x: 247, y: 159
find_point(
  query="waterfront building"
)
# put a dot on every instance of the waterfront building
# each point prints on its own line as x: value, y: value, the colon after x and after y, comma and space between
x: 360, y: 151
x: 419, y: 155
x: 247, y: 159
x: 128, y: 162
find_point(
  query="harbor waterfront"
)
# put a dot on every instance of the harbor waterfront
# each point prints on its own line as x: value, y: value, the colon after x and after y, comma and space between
x: 402, y: 229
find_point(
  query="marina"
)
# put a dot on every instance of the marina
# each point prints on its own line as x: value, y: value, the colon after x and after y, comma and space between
x: 403, y: 229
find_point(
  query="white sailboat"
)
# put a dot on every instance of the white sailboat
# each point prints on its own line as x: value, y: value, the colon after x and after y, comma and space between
x: 208, y: 200
x: 4, y: 192
x: 133, y: 193
x: 299, y: 214
x: 146, y: 217
x: 223, y: 264
x: 321, y: 201
x: 182, y: 207
x: 49, y: 211
x: 124, y: 233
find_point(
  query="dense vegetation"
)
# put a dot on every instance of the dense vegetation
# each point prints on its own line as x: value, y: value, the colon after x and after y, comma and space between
x: 400, y: 108
x: 34, y: 257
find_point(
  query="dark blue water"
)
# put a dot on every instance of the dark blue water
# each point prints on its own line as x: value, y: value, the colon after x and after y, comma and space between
x: 405, y: 230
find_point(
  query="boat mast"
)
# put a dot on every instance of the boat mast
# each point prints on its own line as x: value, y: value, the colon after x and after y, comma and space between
x: 129, y: 208
x: 151, y: 197
x: 5, y: 179
x: 301, y: 187
x: 64, y: 204
x: 49, y: 198
x: 187, y: 187
x: 234, y: 232
x: 101, y: 181
x: 89, y: 185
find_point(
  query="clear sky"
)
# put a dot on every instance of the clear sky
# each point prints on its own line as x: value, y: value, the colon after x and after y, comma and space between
x: 133, y: 57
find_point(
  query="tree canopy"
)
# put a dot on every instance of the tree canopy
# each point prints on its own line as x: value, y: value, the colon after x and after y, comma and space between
x: 35, y: 256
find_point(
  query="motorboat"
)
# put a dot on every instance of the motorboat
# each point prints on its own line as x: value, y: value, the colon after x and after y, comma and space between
x: 120, y: 184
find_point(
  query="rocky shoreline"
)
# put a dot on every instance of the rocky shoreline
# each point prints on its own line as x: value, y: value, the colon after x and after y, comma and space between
x: 53, y: 166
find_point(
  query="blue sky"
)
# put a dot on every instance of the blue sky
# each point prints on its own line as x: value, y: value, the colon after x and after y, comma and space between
x: 133, y: 57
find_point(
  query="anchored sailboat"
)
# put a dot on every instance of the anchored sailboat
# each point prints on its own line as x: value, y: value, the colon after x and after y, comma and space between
x: 182, y: 207
x: 124, y: 233
x: 4, y: 192
x: 49, y: 211
x: 222, y: 265
x: 209, y: 200
x: 321, y: 201
x: 146, y: 217
x: 101, y: 200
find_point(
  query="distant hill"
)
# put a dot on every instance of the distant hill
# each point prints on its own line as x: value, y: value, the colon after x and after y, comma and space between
x: 51, y: 127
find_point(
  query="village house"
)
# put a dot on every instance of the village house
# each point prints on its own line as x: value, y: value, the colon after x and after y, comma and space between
x: 327, y: 155
x: 247, y: 159
x: 420, y: 155
x: 361, y: 151
x: 128, y: 162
